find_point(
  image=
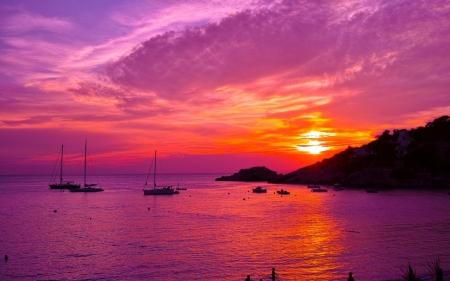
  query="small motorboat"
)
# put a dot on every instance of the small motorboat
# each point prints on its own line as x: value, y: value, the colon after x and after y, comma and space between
x: 319, y: 189
x: 371, y: 190
x: 259, y: 189
x: 337, y: 187
x: 283, y: 192
x: 313, y: 186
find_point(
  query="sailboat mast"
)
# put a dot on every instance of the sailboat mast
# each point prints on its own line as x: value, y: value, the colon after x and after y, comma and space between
x: 62, y: 157
x: 85, y: 144
x: 154, y: 173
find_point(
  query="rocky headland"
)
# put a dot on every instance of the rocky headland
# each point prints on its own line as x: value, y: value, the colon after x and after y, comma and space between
x: 418, y: 157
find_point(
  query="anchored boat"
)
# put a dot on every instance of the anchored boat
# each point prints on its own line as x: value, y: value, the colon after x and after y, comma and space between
x: 87, y: 187
x: 161, y: 190
x: 62, y: 184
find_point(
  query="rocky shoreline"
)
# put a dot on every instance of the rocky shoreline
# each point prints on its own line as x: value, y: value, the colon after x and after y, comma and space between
x: 415, y: 158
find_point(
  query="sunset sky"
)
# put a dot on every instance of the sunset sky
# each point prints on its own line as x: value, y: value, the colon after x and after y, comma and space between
x: 213, y: 85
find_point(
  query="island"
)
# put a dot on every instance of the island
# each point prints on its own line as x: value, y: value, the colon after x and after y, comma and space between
x: 251, y: 174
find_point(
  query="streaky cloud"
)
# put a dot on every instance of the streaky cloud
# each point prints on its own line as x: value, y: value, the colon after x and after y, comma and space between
x: 240, y: 49
x: 357, y: 49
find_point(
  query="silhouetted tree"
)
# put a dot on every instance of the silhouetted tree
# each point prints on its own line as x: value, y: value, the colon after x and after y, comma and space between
x: 400, y: 174
x: 385, y: 137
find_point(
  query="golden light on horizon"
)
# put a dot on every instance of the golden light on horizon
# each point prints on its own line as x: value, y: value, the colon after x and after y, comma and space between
x: 312, y: 147
x: 311, y: 144
x: 316, y: 135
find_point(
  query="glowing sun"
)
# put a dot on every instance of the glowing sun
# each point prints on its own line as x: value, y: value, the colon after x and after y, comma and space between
x: 311, y: 144
x: 312, y: 147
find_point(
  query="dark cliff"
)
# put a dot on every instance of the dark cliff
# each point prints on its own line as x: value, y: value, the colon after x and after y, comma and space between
x: 416, y: 157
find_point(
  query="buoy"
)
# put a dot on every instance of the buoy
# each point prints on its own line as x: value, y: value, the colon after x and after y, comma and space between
x: 6, y: 257
x: 243, y: 199
x: 54, y: 211
x: 148, y: 208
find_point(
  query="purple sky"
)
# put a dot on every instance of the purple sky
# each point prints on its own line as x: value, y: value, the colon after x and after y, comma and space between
x: 214, y: 86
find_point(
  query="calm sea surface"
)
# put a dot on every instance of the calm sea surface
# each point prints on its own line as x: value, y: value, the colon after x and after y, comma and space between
x: 216, y: 231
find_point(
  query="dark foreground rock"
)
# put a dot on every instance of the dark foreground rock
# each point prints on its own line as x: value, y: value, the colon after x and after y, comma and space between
x: 252, y: 174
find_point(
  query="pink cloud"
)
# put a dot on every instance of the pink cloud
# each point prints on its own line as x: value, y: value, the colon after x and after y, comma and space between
x: 240, y: 49
x: 254, y: 80
x: 297, y: 40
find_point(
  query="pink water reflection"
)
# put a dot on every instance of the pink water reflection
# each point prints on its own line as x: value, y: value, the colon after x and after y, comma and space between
x: 209, y: 232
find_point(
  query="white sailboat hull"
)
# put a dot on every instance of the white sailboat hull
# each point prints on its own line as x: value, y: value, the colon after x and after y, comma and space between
x: 160, y: 191
x: 62, y: 184
x: 166, y: 190
x: 86, y: 187
x: 67, y: 185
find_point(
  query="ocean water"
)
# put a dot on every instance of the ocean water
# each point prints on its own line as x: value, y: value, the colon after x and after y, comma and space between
x: 216, y: 231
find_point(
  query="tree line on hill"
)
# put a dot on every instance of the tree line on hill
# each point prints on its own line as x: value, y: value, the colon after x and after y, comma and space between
x: 418, y: 157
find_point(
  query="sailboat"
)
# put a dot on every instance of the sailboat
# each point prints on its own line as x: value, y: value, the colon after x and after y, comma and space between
x: 86, y: 187
x: 161, y: 190
x: 63, y: 184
